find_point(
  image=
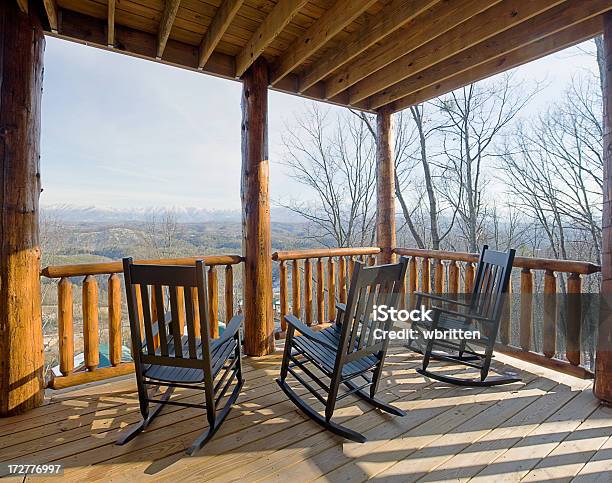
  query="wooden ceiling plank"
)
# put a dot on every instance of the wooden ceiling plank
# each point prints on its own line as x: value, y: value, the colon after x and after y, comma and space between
x: 499, y: 18
x: 23, y: 5
x: 547, y: 23
x: 111, y: 23
x: 165, y: 26
x: 436, y: 20
x: 340, y: 14
x: 221, y: 21
x: 541, y: 48
x: 51, y: 9
x: 388, y: 20
x: 268, y: 30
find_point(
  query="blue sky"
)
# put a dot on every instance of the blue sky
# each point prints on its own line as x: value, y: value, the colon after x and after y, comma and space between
x: 123, y: 132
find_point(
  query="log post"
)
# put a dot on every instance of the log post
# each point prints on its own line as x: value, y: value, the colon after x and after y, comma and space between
x: 213, y: 302
x: 256, y: 242
x: 229, y: 293
x: 549, y: 336
x: 603, y: 359
x: 114, y: 319
x: 308, y: 291
x: 385, y: 186
x: 91, y: 338
x: 282, y: 271
x: 21, y: 343
x: 320, y: 292
x: 526, y: 316
x: 331, y: 289
x: 65, y: 326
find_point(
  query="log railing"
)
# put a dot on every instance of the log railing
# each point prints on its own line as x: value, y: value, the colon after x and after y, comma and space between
x: 319, y: 279
x: 89, y: 275
x: 453, y: 272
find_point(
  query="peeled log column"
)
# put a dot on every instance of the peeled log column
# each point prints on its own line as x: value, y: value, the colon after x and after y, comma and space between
x: 256, y: 243
x: 21, y: 343
x: 603, y: 359
x: 90, y: 323
x: 65, y: 326
x: 385, y: 186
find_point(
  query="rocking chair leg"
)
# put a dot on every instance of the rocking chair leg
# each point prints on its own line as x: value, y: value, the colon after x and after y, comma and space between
x: 317, y: 418
x: 206, y: 437
x: 492, y: 381
x: 377, y: 403
x: 130, y: 434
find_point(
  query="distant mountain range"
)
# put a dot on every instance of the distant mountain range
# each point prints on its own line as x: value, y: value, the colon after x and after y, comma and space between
x: 70, y: 213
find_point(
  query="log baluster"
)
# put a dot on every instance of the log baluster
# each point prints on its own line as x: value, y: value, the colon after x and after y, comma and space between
x: 425, y: 276
x: 90, y: 323
x: 282, y: 271
x: 229, y: 294
x: 574, y: 314
x: 65, y: 326
x: 526, y: 319
x: 371, y: 261
x: 331, y: 289
x: 295, y: 287
x: 351, y: 268
x: 453, y: 278
x: 468, y: 283
x: 505, y: 324
x: 438, y: 276
x: 342, y: 279
x: 413, y: 282
x: 195, y: 311
x: 180, y: 301
x: 114, y: 319
x: 320, y: 292
x: 213, y: 302
x: 549, y: 329
x: 308, y: 291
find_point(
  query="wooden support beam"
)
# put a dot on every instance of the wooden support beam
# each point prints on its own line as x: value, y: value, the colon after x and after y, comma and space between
x: 268, y: 30
x: 22, y: 47
x: 23, y: 5
x: 433, y: 22
x: 341, y: 14
x: 51, y: 9
x: 486, y: 24
x: 546, y: 46
x: 256, y: 242
x: 532, y: 30
x: 385, y: 186
x: 111, y: 23
x: 165, y: 25
x: 221, y: 21
x: 387, y: 21
x: 603, y: 359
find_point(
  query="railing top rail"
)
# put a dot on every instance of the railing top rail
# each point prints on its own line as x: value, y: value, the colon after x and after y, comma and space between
x: 533, y: 263
x: 325, y: 252
x: 84, y: 269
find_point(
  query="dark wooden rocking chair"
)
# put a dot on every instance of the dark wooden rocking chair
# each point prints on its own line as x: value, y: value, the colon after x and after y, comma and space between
x: 347, y: 353
x: 186, y: 360
x: 482, y: 312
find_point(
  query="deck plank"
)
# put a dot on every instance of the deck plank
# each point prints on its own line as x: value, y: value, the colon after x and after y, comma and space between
x: 547, y: 427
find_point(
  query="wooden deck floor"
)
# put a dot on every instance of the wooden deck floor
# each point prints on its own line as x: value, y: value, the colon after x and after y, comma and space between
x: 547, y: 428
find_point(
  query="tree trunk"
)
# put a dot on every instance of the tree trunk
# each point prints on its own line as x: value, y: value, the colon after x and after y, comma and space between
x: 256, y: 243
x: 21, y: 345
x: 385, y: 186
x: 603, y: 361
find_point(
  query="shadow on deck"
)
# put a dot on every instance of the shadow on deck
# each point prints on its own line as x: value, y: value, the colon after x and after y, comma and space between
x: 548, y: 427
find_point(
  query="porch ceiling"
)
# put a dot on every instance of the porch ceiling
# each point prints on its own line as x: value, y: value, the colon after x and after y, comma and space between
x: 366, y: 54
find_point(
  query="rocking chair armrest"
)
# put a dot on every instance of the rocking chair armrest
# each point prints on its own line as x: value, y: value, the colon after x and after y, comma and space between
x: 306, y: 331
x: 341, y: 307
x: 442, y: 299
x: 231, y: 329
x: 461, y: 314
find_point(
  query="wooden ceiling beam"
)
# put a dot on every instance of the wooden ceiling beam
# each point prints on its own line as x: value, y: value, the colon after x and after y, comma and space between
x: 165, y: 25
x: 111, y: 23
x: 268, y: 30
x: 341, y: 14
x: 51, y: 9
x: 532, y: 30
x: 23, y: 5
x: 388, y: 20
x: 221, y: 21
x: 440, y: 18
x: 541, y: 48
x: 486, y: 24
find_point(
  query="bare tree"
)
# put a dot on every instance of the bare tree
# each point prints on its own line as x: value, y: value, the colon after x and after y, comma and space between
x: 335, y: 158
x: 160, y: 235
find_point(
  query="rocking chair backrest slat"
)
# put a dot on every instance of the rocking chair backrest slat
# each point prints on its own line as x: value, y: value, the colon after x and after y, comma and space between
x: 491, y: 283
x: 370, y: 286
x: 166, y: 336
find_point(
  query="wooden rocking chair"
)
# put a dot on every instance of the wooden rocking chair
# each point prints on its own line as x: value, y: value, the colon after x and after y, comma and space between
x: 348, y: 353
x: 168, y: 356
x: 482, y: 313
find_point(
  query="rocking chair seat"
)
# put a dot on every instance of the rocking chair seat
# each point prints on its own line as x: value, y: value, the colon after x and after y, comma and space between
x: 325, y: 358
